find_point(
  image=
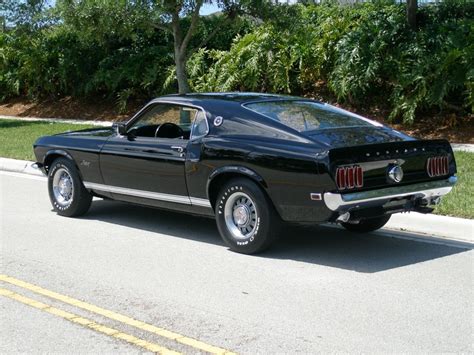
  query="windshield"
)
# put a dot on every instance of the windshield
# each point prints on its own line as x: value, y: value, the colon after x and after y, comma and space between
x: 308, y: 115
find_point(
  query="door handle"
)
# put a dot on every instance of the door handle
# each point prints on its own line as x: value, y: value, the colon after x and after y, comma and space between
x: 178, y: 148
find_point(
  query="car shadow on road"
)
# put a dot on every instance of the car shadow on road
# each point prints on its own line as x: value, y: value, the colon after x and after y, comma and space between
x: 324, y: 245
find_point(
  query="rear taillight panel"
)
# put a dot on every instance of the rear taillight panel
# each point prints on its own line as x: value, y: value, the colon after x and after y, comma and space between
x: 349, y: 177
x: 437, y: 166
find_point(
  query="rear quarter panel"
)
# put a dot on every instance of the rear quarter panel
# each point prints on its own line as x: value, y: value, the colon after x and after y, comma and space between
x: 289, y: 172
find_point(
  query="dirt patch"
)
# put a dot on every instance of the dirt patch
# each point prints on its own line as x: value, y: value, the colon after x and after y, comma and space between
x: 455, y: 128
x: 69, y: 108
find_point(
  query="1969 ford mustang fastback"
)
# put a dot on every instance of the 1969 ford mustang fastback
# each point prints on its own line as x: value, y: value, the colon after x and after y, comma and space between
x: 254, y: 161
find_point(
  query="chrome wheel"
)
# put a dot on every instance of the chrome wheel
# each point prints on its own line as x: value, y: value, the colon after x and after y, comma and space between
x: 241, y: 215
x: 63, y: 187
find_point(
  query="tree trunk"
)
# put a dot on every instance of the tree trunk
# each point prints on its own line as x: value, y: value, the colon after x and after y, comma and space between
x: 181, y: 43
x: 412, y: 6
x: 181, y: 74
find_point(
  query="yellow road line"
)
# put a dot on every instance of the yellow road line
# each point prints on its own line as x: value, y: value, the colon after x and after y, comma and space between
x: 87, y: 323
x: 197, y: 344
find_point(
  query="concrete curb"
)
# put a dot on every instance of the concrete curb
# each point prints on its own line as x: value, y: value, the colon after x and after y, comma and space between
x: 46, y: 119
x: 19, y: 166
x: 439, y: 227
x: 453, y: 228
x: 464, y: 147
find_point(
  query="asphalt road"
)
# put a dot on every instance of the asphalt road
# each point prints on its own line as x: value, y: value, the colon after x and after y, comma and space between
x: 319, y: 289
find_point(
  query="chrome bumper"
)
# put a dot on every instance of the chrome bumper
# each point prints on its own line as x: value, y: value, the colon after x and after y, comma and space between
x: 426, y: 190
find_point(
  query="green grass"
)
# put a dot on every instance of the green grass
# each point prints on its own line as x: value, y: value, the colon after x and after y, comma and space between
x: 17, y: 137
x: 460, y: 201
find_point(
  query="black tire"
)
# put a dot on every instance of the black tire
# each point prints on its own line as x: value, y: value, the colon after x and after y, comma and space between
x: 368, y: 224
x: 264, y: 224
x: 80, y: 199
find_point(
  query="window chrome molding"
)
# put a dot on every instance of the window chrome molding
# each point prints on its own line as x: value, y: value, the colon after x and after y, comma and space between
x: 186, y: 200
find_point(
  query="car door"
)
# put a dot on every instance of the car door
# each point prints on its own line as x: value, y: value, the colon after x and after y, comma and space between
x: 147, y: 165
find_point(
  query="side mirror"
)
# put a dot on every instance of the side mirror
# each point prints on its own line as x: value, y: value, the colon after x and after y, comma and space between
x: 121, y: 128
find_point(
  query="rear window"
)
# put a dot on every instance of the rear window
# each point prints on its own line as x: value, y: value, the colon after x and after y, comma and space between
x: 308, y: 115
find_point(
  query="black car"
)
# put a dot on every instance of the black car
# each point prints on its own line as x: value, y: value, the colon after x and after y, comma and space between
x: 254, y: 161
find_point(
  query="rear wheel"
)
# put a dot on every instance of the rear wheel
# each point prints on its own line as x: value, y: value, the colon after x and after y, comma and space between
x: 245, y: 217
x: 67, y: 193
x: 367, y: 225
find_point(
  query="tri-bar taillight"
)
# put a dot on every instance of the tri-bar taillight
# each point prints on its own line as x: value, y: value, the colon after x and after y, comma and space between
x: 437, y: 166
x: 349, y: 177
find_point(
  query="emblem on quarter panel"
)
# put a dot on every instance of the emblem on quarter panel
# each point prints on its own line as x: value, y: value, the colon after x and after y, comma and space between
x: 218, y: 121
x: 85, y: 163
x: 395, y: 173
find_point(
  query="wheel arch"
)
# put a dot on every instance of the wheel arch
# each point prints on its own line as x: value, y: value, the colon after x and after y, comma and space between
x: 53, y: 154
x: 225, y: 173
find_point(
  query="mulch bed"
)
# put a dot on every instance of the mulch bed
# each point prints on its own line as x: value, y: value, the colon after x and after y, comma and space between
x: 455, y: 128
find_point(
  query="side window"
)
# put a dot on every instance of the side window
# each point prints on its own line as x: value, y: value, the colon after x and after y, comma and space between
x: 164, y: 121
x: 200, y: 127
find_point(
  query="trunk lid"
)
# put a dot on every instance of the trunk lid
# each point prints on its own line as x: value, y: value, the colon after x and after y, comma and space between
x: 352, y: 136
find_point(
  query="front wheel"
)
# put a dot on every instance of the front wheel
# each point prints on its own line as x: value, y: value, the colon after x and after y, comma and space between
x: 67, y: 193
x: 245, y: 217
x: 367, y: 224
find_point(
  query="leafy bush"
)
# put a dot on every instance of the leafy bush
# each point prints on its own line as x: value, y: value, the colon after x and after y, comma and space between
x: 363, y: 54
x: 415, y: 70
x: 95, y: 48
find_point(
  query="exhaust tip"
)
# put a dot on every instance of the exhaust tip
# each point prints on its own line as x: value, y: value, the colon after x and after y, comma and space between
x: 344, y: 217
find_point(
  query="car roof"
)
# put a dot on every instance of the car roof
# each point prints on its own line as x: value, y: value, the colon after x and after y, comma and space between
x: 237, y: 97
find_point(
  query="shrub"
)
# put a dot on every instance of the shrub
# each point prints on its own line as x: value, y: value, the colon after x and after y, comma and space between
x: 365, y: 53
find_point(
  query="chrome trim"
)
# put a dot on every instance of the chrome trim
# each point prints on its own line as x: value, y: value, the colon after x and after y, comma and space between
x: 148, y: 194
x: 335, y: 201
x: 203, y: 202
x: 138, y: 114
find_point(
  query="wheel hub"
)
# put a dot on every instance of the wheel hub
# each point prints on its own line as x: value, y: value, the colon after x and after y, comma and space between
x: 241, y: 215
x: 63, y: 187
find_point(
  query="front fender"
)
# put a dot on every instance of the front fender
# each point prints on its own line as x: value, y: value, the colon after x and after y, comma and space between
x: 56, y: 152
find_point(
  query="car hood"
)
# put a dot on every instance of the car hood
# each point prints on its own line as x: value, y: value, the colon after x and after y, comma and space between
x: 352, y: 136
x: 90, y: 132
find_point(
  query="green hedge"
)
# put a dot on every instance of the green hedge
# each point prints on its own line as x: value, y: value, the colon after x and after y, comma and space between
x: 363, y: 54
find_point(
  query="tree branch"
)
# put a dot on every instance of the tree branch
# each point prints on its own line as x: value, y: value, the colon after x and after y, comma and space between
x: 176, y: 28
x: 192, y: 27
x: 209, y: 36
x: 162, y: 27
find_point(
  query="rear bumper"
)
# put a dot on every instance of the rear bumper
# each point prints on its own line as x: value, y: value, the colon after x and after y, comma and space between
x: 426, y: 190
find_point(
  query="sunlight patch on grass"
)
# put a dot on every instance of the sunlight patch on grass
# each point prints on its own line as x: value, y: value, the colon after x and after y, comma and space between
x: 17, y: 137
x: 460, y: 201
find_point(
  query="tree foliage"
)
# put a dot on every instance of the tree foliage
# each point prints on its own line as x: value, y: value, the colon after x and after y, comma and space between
x: 364, y: 53
x: 361, y: 54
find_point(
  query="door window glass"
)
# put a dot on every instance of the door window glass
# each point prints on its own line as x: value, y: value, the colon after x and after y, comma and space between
x: 164, y: 121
